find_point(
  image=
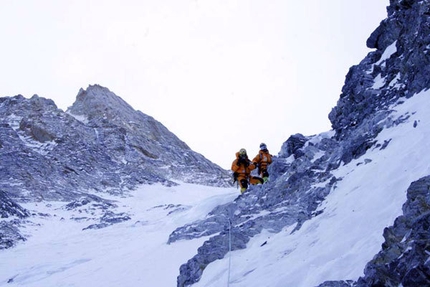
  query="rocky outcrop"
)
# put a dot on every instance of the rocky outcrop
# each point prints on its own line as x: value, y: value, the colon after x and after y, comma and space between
x: 398, y: 68
x: 9, y: 209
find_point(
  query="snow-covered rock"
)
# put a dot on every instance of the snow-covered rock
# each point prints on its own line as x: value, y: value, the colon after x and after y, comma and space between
x: 100, y: 145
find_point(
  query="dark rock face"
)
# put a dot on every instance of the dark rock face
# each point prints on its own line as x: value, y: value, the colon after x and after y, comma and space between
x: 9, y: 233
x: 348, y: 283
x: 406, y: 70
x: 101, y: 144
x: 396, y: 70
x: 9, y: 208
x: 293, y: 146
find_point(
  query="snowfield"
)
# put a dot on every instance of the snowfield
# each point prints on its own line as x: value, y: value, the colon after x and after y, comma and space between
x: 132, y: 253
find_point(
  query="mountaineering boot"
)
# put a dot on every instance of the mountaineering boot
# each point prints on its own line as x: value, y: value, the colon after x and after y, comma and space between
x: 265, y: 179
x: 242, y: 189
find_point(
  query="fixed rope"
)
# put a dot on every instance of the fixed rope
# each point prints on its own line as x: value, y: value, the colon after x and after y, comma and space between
x: 229, y: 251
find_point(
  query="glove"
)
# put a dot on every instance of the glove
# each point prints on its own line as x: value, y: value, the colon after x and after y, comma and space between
x: 235, y: 175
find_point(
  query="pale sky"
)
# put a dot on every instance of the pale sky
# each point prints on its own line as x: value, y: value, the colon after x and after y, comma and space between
x: 220, y: 74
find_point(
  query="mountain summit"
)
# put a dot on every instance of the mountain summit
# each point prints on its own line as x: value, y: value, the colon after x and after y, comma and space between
x: 135, y: 138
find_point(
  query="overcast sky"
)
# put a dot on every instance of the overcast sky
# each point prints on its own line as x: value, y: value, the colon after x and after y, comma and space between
x: 220, y: 74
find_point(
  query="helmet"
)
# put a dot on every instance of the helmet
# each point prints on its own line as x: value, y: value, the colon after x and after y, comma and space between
x: 242, y: 151
x: 263, y: 146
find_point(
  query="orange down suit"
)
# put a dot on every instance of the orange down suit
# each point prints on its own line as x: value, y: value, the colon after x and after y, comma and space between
x: 243, y: 170
x: 263, y: 158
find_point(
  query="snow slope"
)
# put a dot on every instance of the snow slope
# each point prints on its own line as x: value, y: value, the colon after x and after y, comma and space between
x: 337, y: 244
x: 132, y: 253
x: 334, y: 245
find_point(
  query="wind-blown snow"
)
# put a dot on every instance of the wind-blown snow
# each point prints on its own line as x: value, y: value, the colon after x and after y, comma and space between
x: 334, y: 245
x: 379, y: 82
x: 390, y: 50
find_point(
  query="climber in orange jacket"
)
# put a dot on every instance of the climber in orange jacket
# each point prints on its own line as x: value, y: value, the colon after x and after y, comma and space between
x: 242, y: 168
x: 262, y: 160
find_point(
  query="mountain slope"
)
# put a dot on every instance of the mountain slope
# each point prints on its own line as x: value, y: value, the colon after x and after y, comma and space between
x: 343, y: 234
x: 345, y: 230
x: 59, y: 252
x: 347, y: 207
x: 141, y: 141
x: 377, y: 117
x: 102, y: 145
